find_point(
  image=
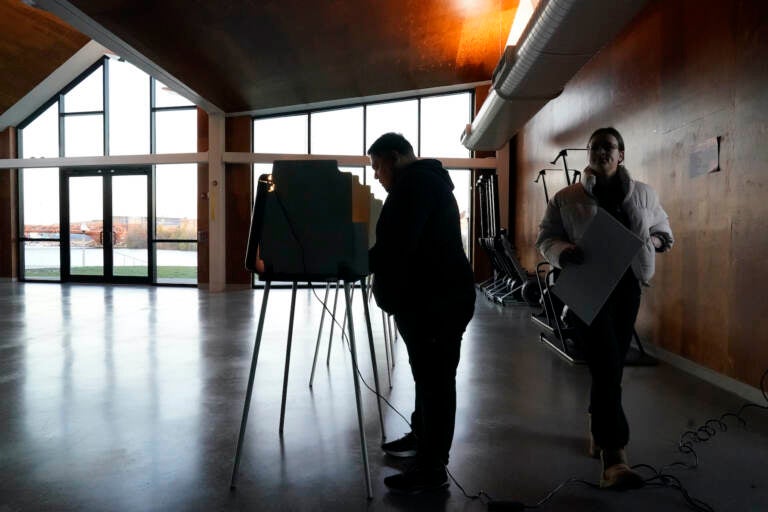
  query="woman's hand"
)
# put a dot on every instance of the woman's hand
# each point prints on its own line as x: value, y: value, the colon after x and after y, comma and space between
x: 571, y: 256
x: 661, y: 242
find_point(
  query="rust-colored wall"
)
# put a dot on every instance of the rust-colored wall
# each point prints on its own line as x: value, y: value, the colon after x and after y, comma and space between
x: 238, y: 183
x: 681, y: 73
x: 8, y: 193
x: 203, y: 246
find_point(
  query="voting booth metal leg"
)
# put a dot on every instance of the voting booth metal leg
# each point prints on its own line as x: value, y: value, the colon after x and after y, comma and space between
x: 559, y: 350
x: 353, y: 351
x: 247, y: 404
x: 384, y: 327
x: 373, y: 357
x: 343, y: 330
x: 333, y: 322
x: 391, y: 339
x: 319, y: 333
x: 344, y: 322
x: 287, y: 358
x: 386, y: 347
x: 360, y: 423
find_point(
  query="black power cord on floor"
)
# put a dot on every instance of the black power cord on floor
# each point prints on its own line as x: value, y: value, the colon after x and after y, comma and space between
x: 661, y: 479
x: 702, y: 434
x: 714, y: 425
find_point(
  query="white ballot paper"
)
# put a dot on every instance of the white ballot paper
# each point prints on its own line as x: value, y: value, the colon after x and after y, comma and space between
x: 608, y: 250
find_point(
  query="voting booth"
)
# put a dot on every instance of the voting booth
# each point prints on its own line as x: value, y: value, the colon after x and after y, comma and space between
x: 311, y: 222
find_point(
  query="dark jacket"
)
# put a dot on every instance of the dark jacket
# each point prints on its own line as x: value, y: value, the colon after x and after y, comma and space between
x: 418, y: 260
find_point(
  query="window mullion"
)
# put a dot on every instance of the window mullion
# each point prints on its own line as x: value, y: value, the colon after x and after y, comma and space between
x: 105, y: 106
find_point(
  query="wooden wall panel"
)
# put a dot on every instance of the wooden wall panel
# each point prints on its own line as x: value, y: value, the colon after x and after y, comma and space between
x: 8, y: 193
x: 238, y: 193
x: 749, y: 228
x: 682, y: 73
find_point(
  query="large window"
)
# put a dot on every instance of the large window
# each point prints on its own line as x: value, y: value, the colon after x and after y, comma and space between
x: 41, y: 234
x: 129, y: 110
x: 176, y: 224
x: 337, y: 132
x: 432, y: 124
x: 280, y: 135
x: 82, y: 113
x: 397, y: 116
x: 111, y: 109
x: 39, y: 190
x: 442, y: 120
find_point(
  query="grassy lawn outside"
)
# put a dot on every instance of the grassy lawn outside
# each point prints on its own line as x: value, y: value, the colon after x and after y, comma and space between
x: 162, y: 272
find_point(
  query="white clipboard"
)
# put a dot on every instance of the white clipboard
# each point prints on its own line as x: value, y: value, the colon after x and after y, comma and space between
x: 608, y: 251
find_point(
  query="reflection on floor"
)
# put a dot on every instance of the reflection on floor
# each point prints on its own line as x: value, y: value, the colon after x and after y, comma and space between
x: 129, y: 399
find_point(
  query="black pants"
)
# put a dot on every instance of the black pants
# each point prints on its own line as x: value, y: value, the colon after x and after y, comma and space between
x: 605, y: 344
x: 433, y: 353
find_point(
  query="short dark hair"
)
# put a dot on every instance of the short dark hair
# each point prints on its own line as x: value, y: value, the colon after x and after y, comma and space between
x: 609, y: 130
x: 390, y: 142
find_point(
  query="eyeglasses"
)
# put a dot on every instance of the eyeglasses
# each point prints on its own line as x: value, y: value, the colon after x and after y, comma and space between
x: 605, y: 146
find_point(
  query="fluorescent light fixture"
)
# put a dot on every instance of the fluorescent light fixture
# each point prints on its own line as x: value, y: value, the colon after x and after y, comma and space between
x: 522, y: 17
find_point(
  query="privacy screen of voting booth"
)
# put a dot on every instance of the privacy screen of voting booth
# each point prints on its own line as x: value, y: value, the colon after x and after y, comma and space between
x: 311, y: 222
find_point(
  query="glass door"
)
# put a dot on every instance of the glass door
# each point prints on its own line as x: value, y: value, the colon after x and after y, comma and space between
x: 130, y: 227
x: 106, y: 215
x: 85, y: 211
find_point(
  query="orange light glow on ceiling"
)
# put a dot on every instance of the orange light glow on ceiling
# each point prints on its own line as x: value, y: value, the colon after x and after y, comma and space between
x: 485, y: 28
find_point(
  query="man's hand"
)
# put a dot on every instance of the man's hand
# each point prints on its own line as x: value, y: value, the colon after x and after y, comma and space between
x: 571, y: 256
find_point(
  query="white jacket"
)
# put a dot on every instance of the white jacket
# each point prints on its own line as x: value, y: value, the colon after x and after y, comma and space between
x: 570, y: 211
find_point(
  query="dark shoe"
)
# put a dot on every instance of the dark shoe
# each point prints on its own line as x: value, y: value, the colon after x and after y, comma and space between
x: 594, y: 449
x: 616, y: 472
x: 406, y: 446
x: 418, y: 479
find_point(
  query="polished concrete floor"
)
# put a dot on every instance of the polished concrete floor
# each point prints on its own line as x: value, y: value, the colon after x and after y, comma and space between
x: 129, y: 399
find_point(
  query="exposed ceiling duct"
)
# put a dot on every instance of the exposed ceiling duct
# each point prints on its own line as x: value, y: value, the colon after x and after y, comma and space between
x: 560, y: 38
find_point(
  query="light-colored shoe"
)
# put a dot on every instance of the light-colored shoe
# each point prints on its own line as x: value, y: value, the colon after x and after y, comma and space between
x: 616, y: 472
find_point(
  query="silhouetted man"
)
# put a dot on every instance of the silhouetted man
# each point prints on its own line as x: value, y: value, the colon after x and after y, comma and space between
x: 423, y: 278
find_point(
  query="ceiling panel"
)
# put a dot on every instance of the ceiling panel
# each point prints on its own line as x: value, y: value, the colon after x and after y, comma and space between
x: 252, y: 55
x: 33, y: 44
